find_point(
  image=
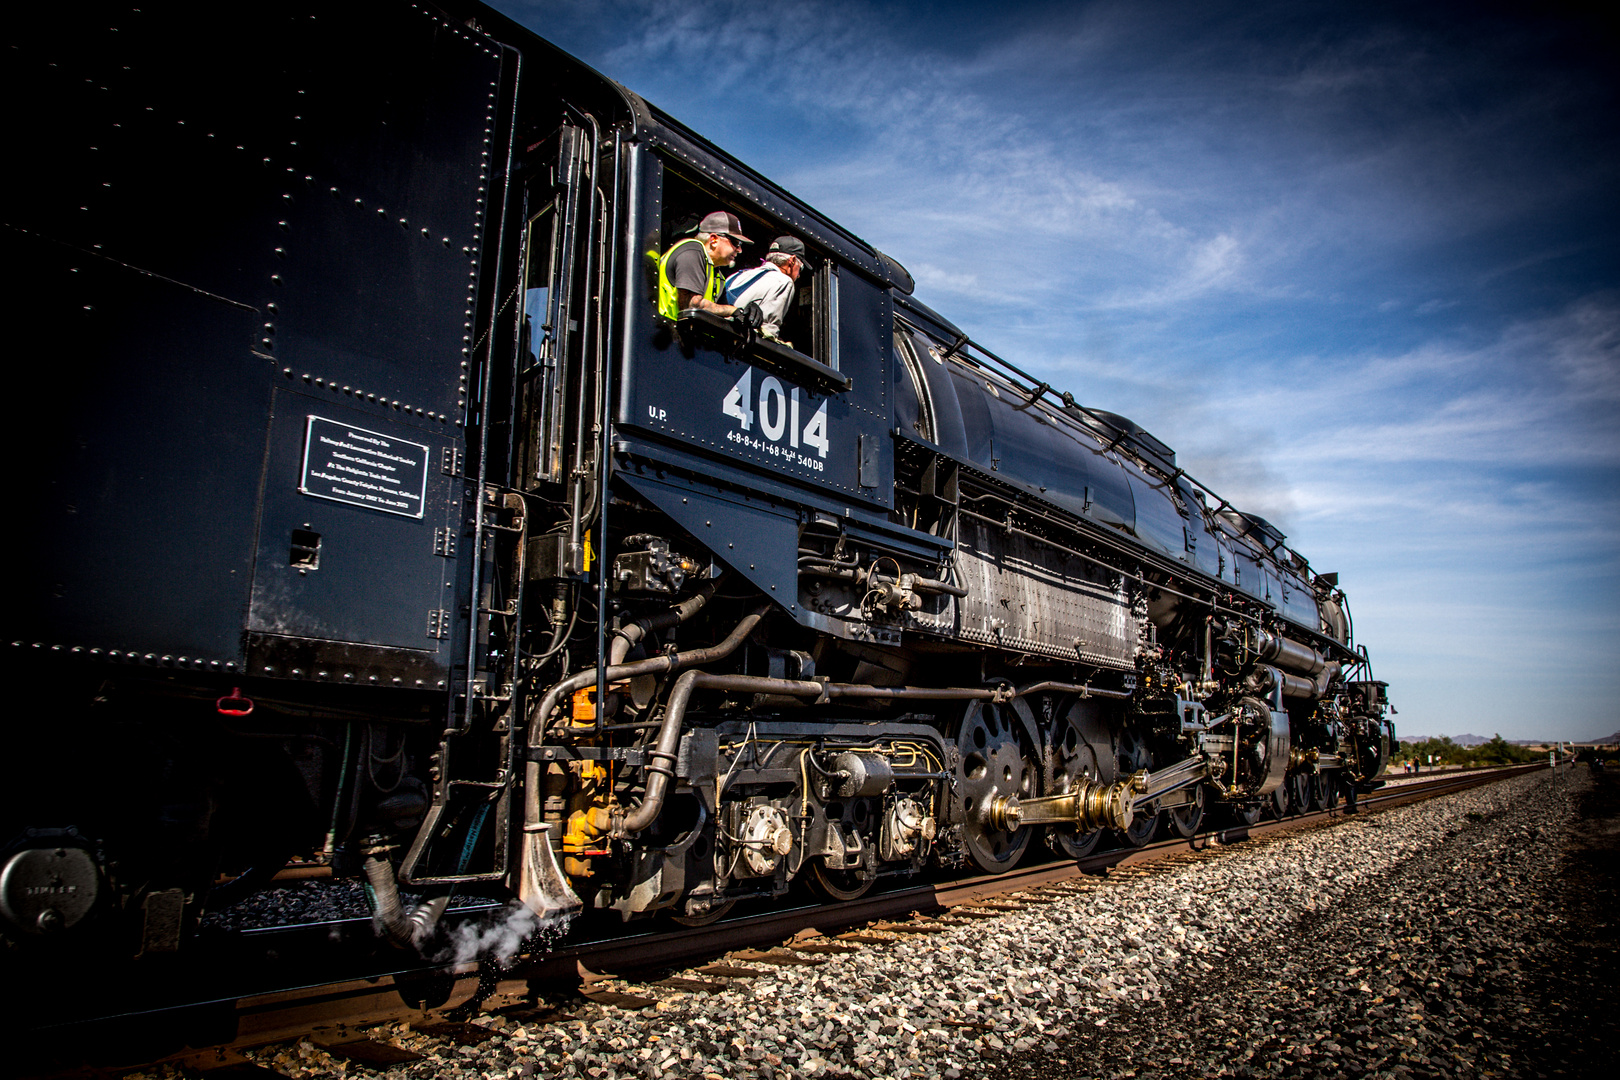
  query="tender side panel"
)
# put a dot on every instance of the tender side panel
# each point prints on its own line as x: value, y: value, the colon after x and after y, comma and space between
x: 380, y: 574
x: 291, y: 219
x: 142, y: 484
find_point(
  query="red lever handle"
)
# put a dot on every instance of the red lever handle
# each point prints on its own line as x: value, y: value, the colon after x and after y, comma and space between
x: 234, y: 704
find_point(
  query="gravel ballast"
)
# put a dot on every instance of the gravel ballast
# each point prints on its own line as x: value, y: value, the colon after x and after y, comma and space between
x: 1463, y: 936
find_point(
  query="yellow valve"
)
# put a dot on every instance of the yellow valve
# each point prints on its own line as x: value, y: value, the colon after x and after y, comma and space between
x: 584, y: 827
x: 589, y: 818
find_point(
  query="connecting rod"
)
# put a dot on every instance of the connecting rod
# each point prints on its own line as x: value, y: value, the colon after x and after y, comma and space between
x: 1092, y: 804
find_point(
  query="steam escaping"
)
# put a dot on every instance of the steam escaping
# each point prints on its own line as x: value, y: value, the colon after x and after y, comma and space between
x: 499, y: 935
x: 494, y: 940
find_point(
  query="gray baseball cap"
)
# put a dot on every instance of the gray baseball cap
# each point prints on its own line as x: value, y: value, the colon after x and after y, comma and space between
x: 725, y: 223
x: 792, y: 245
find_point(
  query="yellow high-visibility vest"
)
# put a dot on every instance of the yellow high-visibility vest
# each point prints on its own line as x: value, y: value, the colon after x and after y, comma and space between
x: 669, y: 301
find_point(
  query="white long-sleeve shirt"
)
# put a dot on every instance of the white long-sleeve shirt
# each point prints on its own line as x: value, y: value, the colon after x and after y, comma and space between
x: 772, y: 288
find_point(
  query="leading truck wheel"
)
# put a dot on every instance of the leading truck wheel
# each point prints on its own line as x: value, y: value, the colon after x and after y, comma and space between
x: 994, y: 764
x: 1245, y: 814
x: 841, y: 885
x: 712, y: 914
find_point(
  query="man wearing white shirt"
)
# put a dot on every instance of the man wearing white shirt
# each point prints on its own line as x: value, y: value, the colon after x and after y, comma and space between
x: 770, y: 284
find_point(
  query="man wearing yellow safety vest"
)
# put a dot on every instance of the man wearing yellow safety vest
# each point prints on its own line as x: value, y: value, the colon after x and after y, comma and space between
x: 689, y: 273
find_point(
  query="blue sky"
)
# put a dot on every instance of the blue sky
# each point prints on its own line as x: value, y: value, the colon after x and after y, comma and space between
x: 1356, y: 263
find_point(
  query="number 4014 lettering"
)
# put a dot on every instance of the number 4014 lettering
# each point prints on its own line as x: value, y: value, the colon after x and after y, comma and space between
x: 778, y: 412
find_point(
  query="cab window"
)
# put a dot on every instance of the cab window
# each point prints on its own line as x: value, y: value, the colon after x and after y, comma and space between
x: 811, y: 311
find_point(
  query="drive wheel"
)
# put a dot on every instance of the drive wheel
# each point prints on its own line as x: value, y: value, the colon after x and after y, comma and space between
x: 1073, y: 759
x: 1143, y: 826
x: 1328, y: 797
x: 424, y: 989
x: 994, y: 763
x: 1071, y: 844
x: 1133, y: 755
x: 1298, y: 786
x: 840, y: 885
x: 1184, y: 821
x: 1279, y: 803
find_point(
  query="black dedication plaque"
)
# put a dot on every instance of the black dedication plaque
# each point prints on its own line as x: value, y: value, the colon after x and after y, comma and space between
x: 364, y: 468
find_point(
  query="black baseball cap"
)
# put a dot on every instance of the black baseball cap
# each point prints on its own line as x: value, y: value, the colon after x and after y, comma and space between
x: 792, y: 245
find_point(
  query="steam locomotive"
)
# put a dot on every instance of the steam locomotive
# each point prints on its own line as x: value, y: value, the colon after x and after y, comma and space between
x: 384, y: 525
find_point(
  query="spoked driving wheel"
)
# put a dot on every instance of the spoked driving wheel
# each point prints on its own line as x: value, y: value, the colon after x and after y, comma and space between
x: 1327, y: 796
x: 1133, y: 755
x: 1183, y: 821
x: 1298, y: 786
x: 1073, y: 759
x: 1143, y: 826
x: 1279, y: 802
x: 995, y: 763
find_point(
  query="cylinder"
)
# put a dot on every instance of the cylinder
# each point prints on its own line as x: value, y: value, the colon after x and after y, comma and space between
x: 864, y: 775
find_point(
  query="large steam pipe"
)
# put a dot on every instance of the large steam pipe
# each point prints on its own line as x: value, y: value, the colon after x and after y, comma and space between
x: 402, y: 930
x: 655, y: 665
x: 626, y: 637
x: 1265, y: 678
x: 1085, y: 691
x: 1275, y: 648
x: 824, y: 568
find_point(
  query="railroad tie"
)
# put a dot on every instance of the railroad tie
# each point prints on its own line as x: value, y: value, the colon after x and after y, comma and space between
x: 731, y: 971
x: 618, y: 999
x: 458, y: 1032
x: 530, y: 1013
x: 778, y: 957
x: 240, y: 1070
x: 824, y: 947
x: 695, y: 986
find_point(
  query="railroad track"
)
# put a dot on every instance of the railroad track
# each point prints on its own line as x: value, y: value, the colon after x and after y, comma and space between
x: 335, y: 1012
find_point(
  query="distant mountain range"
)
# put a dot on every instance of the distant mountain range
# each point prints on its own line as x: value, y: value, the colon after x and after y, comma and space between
x: 1477, y: 740
x: 1460, y: 740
